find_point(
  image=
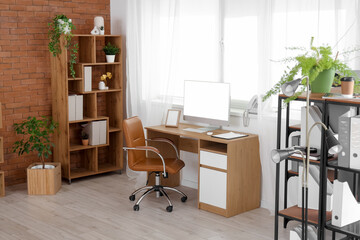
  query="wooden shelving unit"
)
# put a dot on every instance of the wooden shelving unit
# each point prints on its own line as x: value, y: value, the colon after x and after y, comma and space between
x: 78, y: 160
x: 2, y: 174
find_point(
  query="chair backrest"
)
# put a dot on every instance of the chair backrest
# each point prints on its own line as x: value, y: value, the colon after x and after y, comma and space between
x: 134, y: 136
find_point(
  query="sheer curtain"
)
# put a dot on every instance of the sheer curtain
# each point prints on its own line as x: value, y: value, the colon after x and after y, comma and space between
x: 169, y: 41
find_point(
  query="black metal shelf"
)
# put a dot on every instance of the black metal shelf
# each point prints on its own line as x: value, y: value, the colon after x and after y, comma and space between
x: 335, y: 164
x: 351, y: 230
x: 322, y: 220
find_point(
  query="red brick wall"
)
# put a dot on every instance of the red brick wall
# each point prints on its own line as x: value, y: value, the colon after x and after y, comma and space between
x: 25, y: 88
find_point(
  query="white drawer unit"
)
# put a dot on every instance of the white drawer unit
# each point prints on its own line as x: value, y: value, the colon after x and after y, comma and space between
x: 212, y: 187
x: 213, y: 159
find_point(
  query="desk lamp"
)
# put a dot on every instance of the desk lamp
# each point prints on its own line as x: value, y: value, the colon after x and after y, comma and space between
x: 333, y: 145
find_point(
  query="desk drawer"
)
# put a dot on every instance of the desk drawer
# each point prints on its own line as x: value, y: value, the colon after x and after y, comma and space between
x: 213, y: 159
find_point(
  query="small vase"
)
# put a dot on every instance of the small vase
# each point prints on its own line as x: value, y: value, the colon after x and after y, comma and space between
x: 85, y: 142
x: 347, y: 87
x: 102, y: 85
x: 110, y: 58
x: 102, y: 32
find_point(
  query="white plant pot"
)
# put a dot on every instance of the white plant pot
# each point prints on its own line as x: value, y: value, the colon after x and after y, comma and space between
x: 110, y: 58
x: 102, y: 32
x: 47, y: 166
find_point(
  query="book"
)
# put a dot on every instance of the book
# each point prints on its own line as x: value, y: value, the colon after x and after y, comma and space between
x: 102, y: 132
x: 71, y: 107
x: 87, y: 79
x: 79, y: 107
x: 92, y: 129
x: 97, y: 132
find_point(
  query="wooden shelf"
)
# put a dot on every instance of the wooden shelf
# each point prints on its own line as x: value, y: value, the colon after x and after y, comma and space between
x: 74, y: 79
x: 1, y: 149
x: 101, y: 91
x: 107, y: 167
x: 97, y: 105
x: 88, y: 119
x: 295, y: 213
x: 295, y: 127
x: 331, y: 174
x: 78, y: 147
x: 90, y: 35
x: 80, y: 172
x: 114, y: 129
x: 2, y: 184
x: 100, y: 63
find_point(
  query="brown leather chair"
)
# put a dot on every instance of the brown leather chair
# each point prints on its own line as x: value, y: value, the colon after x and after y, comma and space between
x: 138, y: 161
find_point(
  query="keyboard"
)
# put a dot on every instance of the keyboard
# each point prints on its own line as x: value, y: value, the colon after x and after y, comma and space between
x: 197, y: 130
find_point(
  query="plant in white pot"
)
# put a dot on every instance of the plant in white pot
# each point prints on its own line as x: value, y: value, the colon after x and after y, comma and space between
x: 110, y: 51
x: 41, y: 178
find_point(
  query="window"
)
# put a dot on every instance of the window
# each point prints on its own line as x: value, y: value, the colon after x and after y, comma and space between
x: 232, y: 41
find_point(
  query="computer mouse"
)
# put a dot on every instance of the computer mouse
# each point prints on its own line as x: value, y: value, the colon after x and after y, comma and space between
x: 209, y: 133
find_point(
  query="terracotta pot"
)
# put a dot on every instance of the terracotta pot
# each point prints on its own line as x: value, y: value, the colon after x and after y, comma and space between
x: 85, y: 142
x: 347, y: 86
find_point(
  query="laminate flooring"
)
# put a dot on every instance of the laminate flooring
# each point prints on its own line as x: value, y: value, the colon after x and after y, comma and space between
x: 99, y: 208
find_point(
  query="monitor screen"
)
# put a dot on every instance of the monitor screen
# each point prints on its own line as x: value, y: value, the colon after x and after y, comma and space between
x: 207, y: 102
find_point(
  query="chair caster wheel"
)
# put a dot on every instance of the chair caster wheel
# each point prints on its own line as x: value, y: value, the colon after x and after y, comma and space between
x: 183, y: 199
x: 136, y: 207
x: 169, y: 208
x: 132, y: 198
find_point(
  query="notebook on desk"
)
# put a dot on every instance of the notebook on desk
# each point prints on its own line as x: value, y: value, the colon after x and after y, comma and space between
x: 229, y: 135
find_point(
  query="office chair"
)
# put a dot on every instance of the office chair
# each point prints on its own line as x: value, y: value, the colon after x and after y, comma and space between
x: 138, y: 161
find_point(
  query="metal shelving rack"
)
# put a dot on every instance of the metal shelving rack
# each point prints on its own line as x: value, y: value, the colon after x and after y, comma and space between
x: 320, y: 219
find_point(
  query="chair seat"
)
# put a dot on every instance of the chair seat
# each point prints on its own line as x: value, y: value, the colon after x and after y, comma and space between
x: 172, y: 165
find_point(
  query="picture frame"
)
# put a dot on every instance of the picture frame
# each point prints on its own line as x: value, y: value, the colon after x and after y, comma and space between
x: 172, y: 118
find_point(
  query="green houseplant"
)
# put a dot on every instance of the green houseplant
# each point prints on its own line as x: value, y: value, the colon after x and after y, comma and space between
x: 36, y: 137
x: 41, y: 179
x: 110, y: 51
x: 319, y: 64
x: 60, y: 24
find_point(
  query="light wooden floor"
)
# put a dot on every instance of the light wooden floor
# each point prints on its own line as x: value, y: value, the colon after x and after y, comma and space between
x: 99, y: 208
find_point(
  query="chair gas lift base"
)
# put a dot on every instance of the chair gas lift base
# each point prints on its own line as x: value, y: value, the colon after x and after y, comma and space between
x: 160, y: 191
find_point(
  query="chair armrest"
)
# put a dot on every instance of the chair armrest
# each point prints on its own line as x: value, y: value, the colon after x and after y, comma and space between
x: 151, y: 149
x: 166, y: 140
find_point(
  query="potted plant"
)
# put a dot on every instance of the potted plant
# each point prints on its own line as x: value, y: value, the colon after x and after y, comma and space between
x: 41, y: 178
x: 110, y: 51
x: 84, y: 138
x: 319, y: 64
x: 60, y: 24
x: 103, y: 84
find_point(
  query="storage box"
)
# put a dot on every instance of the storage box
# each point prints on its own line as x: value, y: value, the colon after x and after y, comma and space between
x: 44, y: 181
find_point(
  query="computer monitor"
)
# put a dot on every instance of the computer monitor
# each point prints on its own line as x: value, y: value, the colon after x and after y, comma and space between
x: 207, y: 102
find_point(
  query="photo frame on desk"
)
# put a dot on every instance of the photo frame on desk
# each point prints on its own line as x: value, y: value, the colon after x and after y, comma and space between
x: 172, y: 118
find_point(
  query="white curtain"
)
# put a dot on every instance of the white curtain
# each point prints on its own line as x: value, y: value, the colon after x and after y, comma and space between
x: 169, y: 41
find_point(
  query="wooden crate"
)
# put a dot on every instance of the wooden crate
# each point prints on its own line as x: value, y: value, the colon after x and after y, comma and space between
x: 44, y: 181
x: 2, y: 184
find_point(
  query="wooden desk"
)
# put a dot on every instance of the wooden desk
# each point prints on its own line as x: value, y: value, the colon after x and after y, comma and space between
x: 229, y: 170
